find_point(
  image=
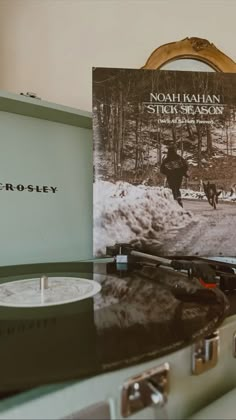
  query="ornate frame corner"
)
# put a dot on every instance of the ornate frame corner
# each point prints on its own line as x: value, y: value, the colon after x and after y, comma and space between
x: 194, y: 48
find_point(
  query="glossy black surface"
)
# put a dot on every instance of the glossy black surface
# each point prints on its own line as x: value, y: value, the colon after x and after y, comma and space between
x: 140, y: 314
x: 149, y: 312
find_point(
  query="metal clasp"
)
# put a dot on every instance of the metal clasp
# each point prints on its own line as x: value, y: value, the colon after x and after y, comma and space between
x: 205, y: 354
x: 148, y: 388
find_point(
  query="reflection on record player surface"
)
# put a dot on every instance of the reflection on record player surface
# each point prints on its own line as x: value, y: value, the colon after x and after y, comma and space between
x: 151, y: 312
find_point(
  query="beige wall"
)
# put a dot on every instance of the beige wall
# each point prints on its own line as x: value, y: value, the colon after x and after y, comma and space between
x: 50, y: 46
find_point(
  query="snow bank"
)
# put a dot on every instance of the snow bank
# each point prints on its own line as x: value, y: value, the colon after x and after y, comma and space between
x: 126, y: 213
x: 192, y: 195
x: 199, y: 195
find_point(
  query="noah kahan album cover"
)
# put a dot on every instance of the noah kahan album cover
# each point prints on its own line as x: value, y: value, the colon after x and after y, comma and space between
x: 165, y: 161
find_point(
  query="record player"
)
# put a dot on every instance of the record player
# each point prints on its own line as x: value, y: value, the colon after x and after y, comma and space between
x: 83, y: 320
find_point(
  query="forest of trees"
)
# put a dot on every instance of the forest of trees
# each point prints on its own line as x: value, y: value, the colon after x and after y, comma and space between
x: 129, y: 142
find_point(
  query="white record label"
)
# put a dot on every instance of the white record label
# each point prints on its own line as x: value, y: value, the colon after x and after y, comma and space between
x: 60, y: 290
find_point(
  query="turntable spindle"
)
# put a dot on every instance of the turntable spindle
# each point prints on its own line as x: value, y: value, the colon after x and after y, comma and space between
x: 43, y: 283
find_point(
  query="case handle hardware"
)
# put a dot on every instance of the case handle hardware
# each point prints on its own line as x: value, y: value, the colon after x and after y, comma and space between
x: 148, y: 388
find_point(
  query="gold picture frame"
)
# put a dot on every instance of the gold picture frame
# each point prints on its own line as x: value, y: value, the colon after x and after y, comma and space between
x: 191, y: 48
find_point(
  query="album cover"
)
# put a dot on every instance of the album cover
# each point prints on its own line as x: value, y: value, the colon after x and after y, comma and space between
x: 165, y: 161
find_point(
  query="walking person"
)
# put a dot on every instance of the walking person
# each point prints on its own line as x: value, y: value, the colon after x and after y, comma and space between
x: 174, y: 167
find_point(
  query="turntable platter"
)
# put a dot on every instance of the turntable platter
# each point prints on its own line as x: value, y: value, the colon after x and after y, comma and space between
x: 28, y: 293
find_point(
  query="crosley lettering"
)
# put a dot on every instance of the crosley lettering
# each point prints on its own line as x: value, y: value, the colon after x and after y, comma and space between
x: 28, y: 188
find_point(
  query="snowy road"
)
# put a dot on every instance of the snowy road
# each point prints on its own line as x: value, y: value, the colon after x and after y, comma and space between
x: 214, y: 235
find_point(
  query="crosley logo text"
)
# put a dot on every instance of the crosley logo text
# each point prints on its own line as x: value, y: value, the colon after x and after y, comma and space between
x: 29, y: 188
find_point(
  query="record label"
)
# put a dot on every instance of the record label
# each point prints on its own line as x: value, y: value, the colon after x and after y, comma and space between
x: 29, y: 293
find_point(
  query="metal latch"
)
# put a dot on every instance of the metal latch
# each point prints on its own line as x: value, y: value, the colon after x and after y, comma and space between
x: 205, y: 354
x: 148, y: 388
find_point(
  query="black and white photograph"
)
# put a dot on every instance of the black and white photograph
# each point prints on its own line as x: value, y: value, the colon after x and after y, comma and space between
x: 164, y: 161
